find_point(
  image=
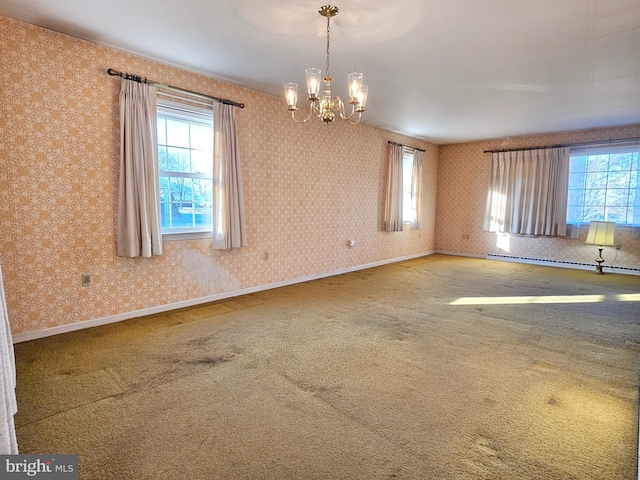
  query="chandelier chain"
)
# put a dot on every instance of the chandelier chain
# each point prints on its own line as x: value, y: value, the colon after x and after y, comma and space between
x: 328, y: 48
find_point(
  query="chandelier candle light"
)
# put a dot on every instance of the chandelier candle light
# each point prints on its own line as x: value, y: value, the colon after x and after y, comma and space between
x: 322, y: 104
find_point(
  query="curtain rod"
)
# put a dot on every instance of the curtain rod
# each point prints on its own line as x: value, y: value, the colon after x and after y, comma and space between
x: 400, y: 144
x: 582, y: 144
x: 138, y: 78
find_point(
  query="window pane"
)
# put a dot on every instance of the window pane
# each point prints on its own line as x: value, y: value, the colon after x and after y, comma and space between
x: 180, y: 191
x: 183, y: 215
x: 575, y: 197
x: 595, y: 197
x: 187, y: 189
x: 616, y: 214
x: 177, y: 160
x: 576, y: 180
x: 165, y: 202
x: 202, y: 162
x: 202, y: 190
x: 201, y: 137
x: 163, y: 159
x: 574, y: 214
x: 597, y: 180
x: 162, y: 134
x: 617, y: 197
x: 204, y: 218
x: 177, y: 133
x: 578, y: 164
x: 598, y: 163
x: 618, y: 178
x: 622, y: 161
x: 592, y: 213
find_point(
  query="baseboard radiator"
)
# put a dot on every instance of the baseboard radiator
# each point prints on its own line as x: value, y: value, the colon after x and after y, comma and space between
x: 563, y: 263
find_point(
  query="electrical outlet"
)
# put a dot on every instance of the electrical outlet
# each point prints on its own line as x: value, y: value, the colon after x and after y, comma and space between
x: 266, y: 256
x: 465, y: 236
x: 86, y: 280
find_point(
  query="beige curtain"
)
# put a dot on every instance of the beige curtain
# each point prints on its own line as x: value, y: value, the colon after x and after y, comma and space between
x: 416, y: 188
x: 8, y: 405
x: 138, y: 223
x: 393, y: 198
x: 527, y: 192
x: 229, y: 230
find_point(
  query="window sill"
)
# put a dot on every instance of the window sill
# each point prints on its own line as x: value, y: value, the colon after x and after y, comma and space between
x: 172, y: 237
x: 618, y: 225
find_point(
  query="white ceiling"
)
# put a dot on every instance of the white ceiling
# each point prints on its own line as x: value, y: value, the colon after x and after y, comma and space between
x: 445, y: 71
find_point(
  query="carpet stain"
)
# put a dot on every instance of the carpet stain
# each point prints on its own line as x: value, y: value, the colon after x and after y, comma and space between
x: 482, y: 444
x: 200, y: 341
x: 211, y: 360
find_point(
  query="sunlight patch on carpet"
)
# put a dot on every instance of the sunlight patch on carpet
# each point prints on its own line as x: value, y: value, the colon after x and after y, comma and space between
x: 527, y: 299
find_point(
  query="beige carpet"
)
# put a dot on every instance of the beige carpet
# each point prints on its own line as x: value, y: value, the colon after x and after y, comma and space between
x: 369, y: 375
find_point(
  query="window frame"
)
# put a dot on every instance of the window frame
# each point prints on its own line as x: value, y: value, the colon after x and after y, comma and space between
x: 196, y: 115
x: 631, y: 187
x: 407, y: 171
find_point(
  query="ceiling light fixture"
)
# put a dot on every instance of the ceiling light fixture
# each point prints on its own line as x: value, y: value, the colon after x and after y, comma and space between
x: 323, y: 105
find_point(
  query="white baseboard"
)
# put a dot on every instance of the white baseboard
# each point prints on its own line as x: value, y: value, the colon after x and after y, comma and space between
x: 71, y: 327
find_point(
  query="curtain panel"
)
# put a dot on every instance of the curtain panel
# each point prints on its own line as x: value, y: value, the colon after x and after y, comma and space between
x: 8, y: 405
x: 527, y: 193
x: 393, y: 196
x: 416, y: 189
x: 138, y: 223
x: 228, y: 196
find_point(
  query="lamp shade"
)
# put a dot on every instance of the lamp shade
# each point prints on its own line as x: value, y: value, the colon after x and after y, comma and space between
x: 354, y: 82
x: 313, y: 82
x: 291, y: 94
x: 362, y: 98
x: 601, y: 233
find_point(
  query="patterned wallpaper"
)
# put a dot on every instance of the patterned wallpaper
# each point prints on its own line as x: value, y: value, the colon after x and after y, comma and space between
x: 308, y: 189
x: 463, y: 174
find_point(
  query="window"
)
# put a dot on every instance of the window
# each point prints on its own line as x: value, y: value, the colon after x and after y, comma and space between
x: 408, y: 205
x: 603, y: 183
x: 185, y: 158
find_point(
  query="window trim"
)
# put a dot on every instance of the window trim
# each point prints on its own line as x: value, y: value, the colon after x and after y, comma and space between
x: 198, y: 115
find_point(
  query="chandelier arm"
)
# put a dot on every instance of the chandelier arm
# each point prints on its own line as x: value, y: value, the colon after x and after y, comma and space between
x: 293, y: 114
x: 340, y: 109
x: 317, y: 110
x: 351, y: 122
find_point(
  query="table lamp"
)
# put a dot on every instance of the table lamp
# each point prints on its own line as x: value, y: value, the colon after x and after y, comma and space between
x: 601, y: 234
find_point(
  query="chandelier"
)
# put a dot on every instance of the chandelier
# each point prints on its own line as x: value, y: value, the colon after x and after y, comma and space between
x: 323, y: 105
